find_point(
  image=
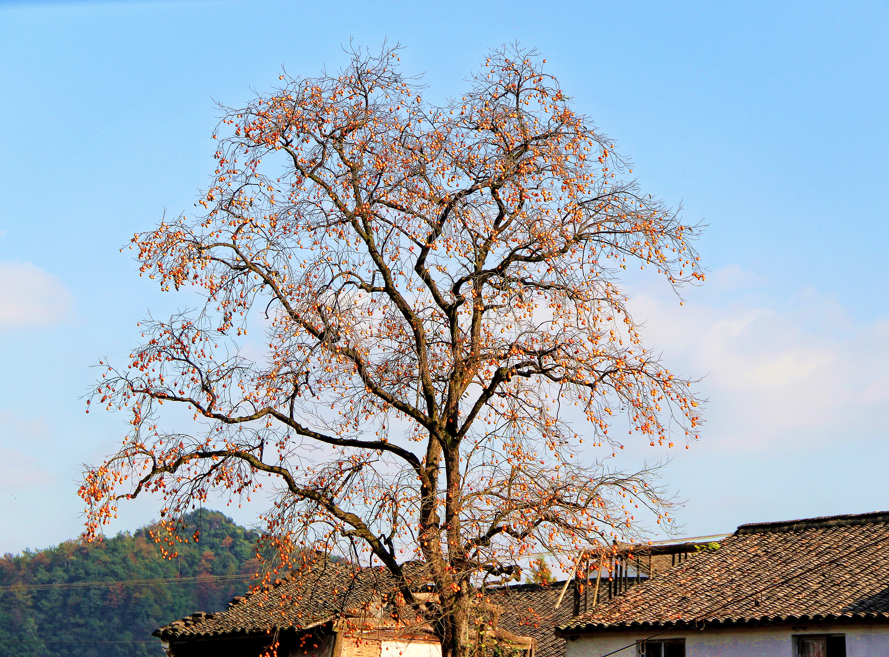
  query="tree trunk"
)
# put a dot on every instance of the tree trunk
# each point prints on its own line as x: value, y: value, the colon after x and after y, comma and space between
x: 453, y: 629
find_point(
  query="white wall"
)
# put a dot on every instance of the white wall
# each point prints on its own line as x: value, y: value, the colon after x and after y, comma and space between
x: 863, y: 640
x: 412, y: 649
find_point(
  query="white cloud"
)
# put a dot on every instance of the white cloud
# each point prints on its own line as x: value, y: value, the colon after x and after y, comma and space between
x: 29, y: 427
x: 29, y: 296
x: 20, y: 471
x: 733, y: 277
x: 804, y: 372
x: 21, y: 466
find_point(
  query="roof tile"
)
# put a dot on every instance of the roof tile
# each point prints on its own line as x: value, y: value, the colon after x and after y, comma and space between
x: 816, y: 569
x: 316, y: 593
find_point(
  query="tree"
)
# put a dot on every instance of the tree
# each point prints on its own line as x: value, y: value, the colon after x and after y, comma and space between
x: 50, y: 603
x: 438, y: 288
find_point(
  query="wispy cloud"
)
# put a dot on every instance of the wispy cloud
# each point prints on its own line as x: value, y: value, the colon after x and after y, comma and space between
x: 30, y: 296
x: 22, y: 435
x: 19, y: 471
x: 803, y: 372
x: 23, y: 427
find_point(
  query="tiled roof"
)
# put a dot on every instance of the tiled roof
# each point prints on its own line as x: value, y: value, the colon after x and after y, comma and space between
x: 530, y: 610
x: 820, y: 569
x: 325, y: 591
x: 317, y: 593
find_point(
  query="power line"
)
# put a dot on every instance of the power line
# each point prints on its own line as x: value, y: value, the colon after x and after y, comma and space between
x: 85, y: 643
x: 687, y: 539
x: 64, y: 586
x: 642, y: 545
x: 190, y: 580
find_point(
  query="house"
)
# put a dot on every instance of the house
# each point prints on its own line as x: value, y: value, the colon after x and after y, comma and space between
x: 805, y: 588
x: 613, y: 571
x: 330, y: 609
x: 531, y: 610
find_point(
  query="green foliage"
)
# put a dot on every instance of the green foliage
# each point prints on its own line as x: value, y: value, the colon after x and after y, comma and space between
x: 540, y: 573
x: 486, y: 645
x: 707, y: 547
x: 78, y: 618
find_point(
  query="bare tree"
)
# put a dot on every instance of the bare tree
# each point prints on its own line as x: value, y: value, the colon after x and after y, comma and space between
x: 438, y: 288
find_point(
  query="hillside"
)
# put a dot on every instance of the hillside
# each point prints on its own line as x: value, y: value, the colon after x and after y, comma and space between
x: 73, y: 617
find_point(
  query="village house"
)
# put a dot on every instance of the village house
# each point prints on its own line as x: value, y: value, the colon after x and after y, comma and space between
x: 323, y: 609
x: 805, y: 588
x: 330, y: 609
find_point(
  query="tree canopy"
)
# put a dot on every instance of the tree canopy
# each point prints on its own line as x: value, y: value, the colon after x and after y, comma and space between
x: 439, y: 291
x: 52, y: 602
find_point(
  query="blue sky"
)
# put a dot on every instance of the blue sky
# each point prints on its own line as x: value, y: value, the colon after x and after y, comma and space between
x: 767, y: 121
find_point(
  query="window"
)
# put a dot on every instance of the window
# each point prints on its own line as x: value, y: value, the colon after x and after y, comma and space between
x: 820, y: 645
x: 661, y: 648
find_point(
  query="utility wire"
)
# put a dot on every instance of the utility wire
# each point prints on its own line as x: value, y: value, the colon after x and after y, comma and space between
x: 223, y: 578
x: 642, y: 545
x: 84, y: 643
x: 64, y: 586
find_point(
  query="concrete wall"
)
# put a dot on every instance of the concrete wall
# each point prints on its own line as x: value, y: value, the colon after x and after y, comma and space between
x: 863, y: 640
x: 412, y: 649
x: 360, y: 647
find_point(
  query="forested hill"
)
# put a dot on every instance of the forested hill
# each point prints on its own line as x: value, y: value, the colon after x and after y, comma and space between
x: 78, y: 618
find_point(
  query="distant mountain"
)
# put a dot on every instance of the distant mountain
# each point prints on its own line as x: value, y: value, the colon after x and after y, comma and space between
x: 78, y: 619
